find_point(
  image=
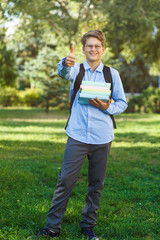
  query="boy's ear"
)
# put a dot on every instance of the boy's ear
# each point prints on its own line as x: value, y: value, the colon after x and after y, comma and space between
x: 103, y: 50
x: 83, y: 49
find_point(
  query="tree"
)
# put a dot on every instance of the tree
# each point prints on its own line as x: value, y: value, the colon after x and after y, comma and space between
x: 135, y: 75
x: 132, y: 28
x: 7, y: 65
x: 43, y: 75
x: 133, y: 31
x: 62, y: 17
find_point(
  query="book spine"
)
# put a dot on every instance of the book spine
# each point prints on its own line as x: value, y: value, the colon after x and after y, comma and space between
x: 96, y: 92
x: 93, y: 88
x: 82, y: 95
x: 101, y: 84
x: 86, y: 100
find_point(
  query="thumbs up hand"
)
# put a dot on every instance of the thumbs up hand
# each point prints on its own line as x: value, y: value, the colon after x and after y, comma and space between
x: 71, y: 59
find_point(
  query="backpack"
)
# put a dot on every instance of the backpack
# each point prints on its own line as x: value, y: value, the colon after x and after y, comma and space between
x: 108, y: 79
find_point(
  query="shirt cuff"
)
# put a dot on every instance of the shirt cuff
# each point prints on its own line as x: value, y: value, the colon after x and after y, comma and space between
x: 109, y: 109
x: 63, y: 62
x: 62, y: 67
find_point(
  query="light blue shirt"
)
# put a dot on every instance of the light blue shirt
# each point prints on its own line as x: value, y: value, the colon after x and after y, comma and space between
x: 89, y: 124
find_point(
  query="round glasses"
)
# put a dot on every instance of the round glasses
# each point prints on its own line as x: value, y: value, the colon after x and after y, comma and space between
x: 96, y: 46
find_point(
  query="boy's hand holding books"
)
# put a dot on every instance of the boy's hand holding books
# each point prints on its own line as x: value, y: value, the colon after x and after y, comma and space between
x: 96, y: 94
x: 100, y: 104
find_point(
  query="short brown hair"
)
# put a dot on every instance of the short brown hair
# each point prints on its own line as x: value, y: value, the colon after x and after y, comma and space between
x: 96, y: 34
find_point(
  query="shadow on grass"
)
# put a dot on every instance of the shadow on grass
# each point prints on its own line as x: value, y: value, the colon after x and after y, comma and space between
x: 131, y: 181
x: 133, y: 137
x: 29, y: 172
x: 137, y: 116
x: 140, y: 123
x: 32, y: 150
x: 60, y: 124
x: 32, y: 113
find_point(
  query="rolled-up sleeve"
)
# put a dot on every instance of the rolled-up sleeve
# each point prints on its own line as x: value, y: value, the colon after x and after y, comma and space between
x: 119, y: 105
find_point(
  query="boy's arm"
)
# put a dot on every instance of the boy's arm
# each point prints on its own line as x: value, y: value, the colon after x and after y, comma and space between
x: 119, y: 105
x: 66, y: 68
x: 118, y: 96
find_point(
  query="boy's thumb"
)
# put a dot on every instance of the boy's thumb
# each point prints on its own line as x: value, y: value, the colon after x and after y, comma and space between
x: 72, y: 49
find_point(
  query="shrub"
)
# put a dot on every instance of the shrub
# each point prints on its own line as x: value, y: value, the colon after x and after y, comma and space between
x: 9, y: 97
x: 148, y: 101
x: 30, y: 97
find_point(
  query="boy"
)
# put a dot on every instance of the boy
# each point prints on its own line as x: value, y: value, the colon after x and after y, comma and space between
x: 90, y: 133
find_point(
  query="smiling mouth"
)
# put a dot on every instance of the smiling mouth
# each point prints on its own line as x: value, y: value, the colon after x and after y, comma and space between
x: 93, y: 54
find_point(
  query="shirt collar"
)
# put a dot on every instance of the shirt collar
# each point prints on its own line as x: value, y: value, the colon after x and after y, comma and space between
x: 99, y: 68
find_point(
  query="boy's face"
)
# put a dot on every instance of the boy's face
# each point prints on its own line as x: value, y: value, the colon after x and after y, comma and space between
x: 93, y: 50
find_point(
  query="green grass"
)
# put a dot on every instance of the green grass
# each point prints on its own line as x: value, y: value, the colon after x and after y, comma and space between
x: 31, y: 153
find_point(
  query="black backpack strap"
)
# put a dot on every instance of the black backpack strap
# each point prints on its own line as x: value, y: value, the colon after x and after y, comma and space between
x: 77, y: 84
x: 108, y: 79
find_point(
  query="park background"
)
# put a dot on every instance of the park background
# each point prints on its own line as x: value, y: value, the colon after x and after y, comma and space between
x: 34, y: 36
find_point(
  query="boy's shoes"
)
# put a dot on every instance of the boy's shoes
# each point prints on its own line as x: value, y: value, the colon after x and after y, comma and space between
x: 88, y: 232
x: 45, y: 232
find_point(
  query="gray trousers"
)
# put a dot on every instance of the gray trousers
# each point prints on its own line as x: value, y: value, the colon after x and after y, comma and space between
x: 74, y: 156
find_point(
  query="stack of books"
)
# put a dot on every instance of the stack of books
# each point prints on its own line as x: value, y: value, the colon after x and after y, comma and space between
x: 90, y: 90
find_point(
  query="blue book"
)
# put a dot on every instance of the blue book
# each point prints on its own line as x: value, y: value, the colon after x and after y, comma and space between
x: 86, y: 100
x: 94, y: 95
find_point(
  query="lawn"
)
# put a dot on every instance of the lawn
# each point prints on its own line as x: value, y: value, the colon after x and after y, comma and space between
x: 31, y: 153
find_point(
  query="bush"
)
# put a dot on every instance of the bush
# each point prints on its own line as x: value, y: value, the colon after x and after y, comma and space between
x: 147, y: 102
x: 30, y: 97
x: 9, y: 97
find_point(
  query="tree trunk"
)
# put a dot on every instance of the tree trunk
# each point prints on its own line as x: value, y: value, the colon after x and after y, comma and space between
x: 132, y: 87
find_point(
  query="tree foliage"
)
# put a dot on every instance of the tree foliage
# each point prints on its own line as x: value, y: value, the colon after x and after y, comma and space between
x: 43, y: 74
x: 64, y: 18
x: 7, y: 66
x: 132, y: 30
x: 133, y: 25
x: 136, y: 73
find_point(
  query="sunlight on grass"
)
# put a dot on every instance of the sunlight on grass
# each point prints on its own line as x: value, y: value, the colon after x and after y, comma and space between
x: 32, y: 144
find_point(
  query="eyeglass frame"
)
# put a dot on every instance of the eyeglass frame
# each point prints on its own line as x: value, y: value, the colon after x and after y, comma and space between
x: 90, y: 46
